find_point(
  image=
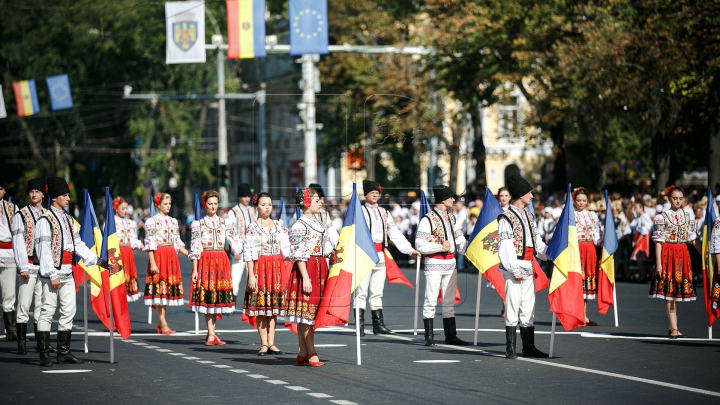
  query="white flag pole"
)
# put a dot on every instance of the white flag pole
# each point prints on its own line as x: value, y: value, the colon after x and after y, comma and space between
x: 197, y: 324
x: 112, y: 327
x: 477, y: 308
x: 552, y: 335
x: 709, y: 332
x: 149, y: 314
x: 357, y: 330
x: 615, y: 306
x: 85, y: 304
x: 417, y: 290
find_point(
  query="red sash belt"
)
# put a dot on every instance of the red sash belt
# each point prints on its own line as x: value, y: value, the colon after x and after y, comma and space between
x: 441, y: 256
x: 66, y: 257
x: 379, y: 247
x: 6, y: 245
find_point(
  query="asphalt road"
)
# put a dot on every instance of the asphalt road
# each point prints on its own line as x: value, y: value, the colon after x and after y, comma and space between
x: 600, y: 365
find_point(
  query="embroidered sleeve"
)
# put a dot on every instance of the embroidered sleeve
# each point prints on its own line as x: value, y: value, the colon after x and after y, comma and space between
x: 596, y: 229
x: 506, y: 249
x: 195, y: 241
x: 177, y: 240
x: 18, y: 243
x: 88, y: 256
x: 251, y: 244
x: 43, y: 248
x: 424, y: 242
x: 236, y: 244
x: 659, y: 234
x: 150, y: 233
x: 715, y: 237
x: 132, y: 230
x: 284, y: 240
x: 299, y: 238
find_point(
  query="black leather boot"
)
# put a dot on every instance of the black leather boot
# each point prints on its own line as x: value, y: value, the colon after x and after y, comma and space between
x: 64, y: 355
x: 451, y: 333
x: 39, y: 345
x: 10, y: 326
x: 429, y: 334
x: 361, y: 321
x: 43, y: 344
x: 22, y: 342
x: 527, y: 334
x: 379, y: 323
x: 510, y: 342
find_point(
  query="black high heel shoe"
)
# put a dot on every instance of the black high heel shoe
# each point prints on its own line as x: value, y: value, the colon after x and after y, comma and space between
x: 275, y: 352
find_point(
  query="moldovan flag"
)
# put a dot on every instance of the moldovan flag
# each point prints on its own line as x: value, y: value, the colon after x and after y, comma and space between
x: 114, y: 277
x: 483, y: 244
x: 565, y: 295
x: 606, y: 275
x: 26, y: 98
x: 711, y: 275
x: 79, y: 271
x: 355, y: 259
x: 246, y: 29
x: 91, y: 235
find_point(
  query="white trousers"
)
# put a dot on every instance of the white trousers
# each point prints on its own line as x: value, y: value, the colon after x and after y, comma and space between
x: 433, y: 284
x: 7, y: 288
x: 519, y: 301
x: 238, y: 270
x: 28, y: 291
x: 64, y: 297
x: 374, y: 283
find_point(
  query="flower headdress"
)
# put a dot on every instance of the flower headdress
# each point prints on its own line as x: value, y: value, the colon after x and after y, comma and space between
x: 116, y: 203
x: 157, y: 199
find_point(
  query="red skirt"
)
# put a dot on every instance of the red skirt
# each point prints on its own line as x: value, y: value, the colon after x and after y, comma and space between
x: 165, y: 287
x: 269, y: 298
x: 301, y: 307
x: 675, y: 282
x: 213, y: 291
x: 589, y: 267
x: 131, y: 276
x: 642, y: 247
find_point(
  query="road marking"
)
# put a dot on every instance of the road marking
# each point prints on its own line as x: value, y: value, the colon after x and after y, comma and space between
x: 297, y: 388
x: 276, y: 382
x: 222, y: 366
x: 331, y: 345
x: 164, y: 350
x: 140, y: 344
x: 206, y: 362
x: 342, y: 402
x: 177, y: 354
x: 436, y: 361
x: 319, y: 395
x: 152, y: 347
x: 257, y: 376
x: 129, y: 341
x: 66, y: 371
x: 237, y: 370
x: 191, y: 358
x: 664, y: 338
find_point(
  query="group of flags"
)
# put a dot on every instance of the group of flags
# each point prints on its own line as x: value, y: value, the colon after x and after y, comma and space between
x: 26, y: 97
x: 185, y: 29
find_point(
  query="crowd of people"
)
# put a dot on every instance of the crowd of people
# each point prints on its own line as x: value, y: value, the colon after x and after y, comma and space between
x: 287, y: 258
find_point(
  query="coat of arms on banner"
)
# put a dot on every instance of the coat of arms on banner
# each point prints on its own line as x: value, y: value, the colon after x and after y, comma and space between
x: 185, y: 33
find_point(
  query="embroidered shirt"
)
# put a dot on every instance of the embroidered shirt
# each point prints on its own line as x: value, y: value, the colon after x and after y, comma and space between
x: 324, y: 218
x: 162, y: 230
x: 126, y: 230
x: 587, y: 225
x: 510, y: 234
x: 47, y: 243
x: 308, y: 237
x: 262, y: 241
x: 23, y: 230
x: 7, y: 211
x: 211, y: 233
x: 429, y: 239
x: 643, y: 224
x: 242, y: 216
x: 715, y: 237
x: 674, y: 227
x: 382, y: 226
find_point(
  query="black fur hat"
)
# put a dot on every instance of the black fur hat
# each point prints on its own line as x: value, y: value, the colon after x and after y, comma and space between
x: 369, y: 185
x: 318, y: 189
x: 517, y: 186
x: 36, y: 184
x: 244, y: 190
x: 57, y: 186
x: 442, y: 193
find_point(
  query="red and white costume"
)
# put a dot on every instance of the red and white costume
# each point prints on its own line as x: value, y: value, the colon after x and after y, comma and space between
x: 127, y: 238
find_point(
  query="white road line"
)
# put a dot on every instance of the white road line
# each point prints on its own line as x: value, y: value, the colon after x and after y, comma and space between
x: 191, y: 358
x: 436, y: 361
x: 237, y: 370
x: 276, y: 382
x: 129, y: 341
x: 342, y: 402
x: 140, y: 344
x: 331, y: 345
x: 206, y: 362
x: 583, y: 369
x: 297, y: 388
x: 164, y: 350
x: 177, y: 354
x: 319, y: 395
x: 222, y: 366
x: 664, y: 338
x: 152, y: 347
x: 257, y: 376
x: 66, y: 371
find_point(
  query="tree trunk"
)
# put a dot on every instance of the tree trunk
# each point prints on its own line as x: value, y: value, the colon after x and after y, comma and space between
x: 661, y: 159
x: 39, y: 160
x: 370, y: 152
x: 714, y: 146
x: 456, y: 129
x: 478, y: 148
x: 557, y: 134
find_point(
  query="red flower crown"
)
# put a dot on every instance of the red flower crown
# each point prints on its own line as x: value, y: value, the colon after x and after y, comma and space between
x: 306, y: 198
x: 669, y: 190
x: 116, y: 203
x: 255, y: 199
x: 204, y: 200
x: 157, y: 199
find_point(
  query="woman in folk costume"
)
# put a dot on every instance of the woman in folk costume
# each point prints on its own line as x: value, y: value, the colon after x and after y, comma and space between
x: 163, y: 283
x: 503, y: 197
x: 128, y: 240
x: 715, y: 250
x: 673, y: 278
x: 587, y: 225
x: 643, y: 224
x: 266, y: 245
x: 310, y: 243
x: 212, y: 292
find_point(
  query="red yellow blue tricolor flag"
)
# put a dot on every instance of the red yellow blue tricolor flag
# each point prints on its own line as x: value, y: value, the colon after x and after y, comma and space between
x: 26, y: 98
x: 565, y: 295
x: 711, y: 275
x: 246, y: 29
x: 482, y: 250
x: 354, y: 260
x: 606, y: 275
x: 91, y: 235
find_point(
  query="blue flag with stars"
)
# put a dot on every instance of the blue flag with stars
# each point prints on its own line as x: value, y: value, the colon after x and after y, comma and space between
x: 308, y: 27
x: 59, y: 90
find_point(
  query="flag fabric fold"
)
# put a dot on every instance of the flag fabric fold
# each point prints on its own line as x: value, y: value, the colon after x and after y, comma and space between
x: 711, y: 275
x: 484, y: 242
x: 246, y: 29
x: 565, y: 295
x: 606, y: 275
x: 393, y: 274
x: 355, y: 257
x: 91, y: 235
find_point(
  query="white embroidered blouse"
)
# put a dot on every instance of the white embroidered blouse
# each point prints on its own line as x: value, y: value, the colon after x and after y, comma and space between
x: 211, y: 233
x: 127, y: 232
x: 308, y: 237
x: 587, y: 225
x: 162, y: 230
x: 674, y: 227
x: 262, y: 241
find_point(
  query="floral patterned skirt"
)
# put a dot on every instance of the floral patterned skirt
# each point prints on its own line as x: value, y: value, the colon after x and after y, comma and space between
x: 269, y: 298
x: 589, y: 267
x: 301, y: 307
x: 165, y: 287
x: 213, y: 291
x: 131, y: 276
x: 675, y: 282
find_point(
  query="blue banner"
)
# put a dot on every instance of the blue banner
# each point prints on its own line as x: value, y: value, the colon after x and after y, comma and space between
x: 308, y: 27
x: 59, y: 90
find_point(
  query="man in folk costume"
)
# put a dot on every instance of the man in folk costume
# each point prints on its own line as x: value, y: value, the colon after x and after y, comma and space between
x: 382, y: 226
x: 519, y: 243
x: 439, y: 241
x: 26, y: 260
x: 57, y: 243
x: 243, y: 214
x: 7, y: 265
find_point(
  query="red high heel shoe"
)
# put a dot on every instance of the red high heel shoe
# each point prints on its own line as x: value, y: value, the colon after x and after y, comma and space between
x: 301, y: 360
x: 314, y: 363
x: 213, y: 340
x: 159, y: 330
x: 168, y: 331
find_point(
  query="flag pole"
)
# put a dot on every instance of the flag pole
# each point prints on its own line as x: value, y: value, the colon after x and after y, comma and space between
x: 150, y: 315
x: 197, y: 324
x: 709, y: 332
x: 477, y: 309
x: 552, y: 335
x: 417, y: 290
x: 85, y: 300
x: 112, y: 327
x: 615, y: 303
x: 357, y: 330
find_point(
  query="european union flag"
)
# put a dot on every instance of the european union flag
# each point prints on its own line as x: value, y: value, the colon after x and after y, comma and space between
x: 308, y: 27
x: 59, y: 90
